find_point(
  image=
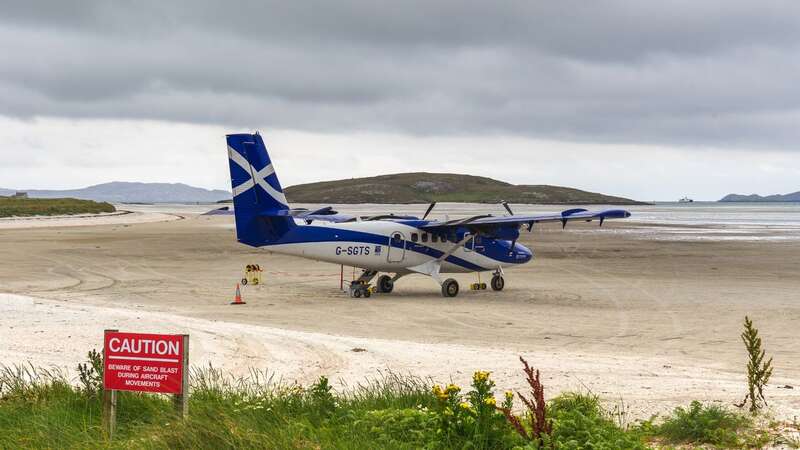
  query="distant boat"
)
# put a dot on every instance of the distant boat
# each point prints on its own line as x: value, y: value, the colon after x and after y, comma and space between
x: 685, y: 200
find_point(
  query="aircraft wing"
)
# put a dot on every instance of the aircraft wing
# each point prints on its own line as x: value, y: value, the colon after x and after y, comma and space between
x: 488, y: 224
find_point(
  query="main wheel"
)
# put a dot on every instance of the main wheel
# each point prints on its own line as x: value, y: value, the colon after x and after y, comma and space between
x: 450, y: 288
x: 356, y: 293
x: 498, y: 283
x: 367, y: 293
x: 385, y: 284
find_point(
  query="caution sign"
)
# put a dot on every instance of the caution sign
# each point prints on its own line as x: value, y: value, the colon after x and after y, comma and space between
x: 144, y: 362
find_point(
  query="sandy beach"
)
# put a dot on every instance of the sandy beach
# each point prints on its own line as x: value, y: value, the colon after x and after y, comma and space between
x: 651, y: 323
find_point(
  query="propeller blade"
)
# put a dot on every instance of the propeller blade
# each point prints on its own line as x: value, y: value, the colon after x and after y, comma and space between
x: 508, y: 208
x: 430, y: 208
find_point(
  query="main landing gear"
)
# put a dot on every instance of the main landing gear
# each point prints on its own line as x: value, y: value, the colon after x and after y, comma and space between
x: 385, y: 284
x: 362, y: 288
x: 450, y: 288
x: 358, y: 290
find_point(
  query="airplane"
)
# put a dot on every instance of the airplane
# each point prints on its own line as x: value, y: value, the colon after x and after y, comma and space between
x: 396, y: 245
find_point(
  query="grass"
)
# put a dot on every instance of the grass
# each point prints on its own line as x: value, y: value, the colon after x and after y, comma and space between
x: 23, y: 207
x: 42, y: 409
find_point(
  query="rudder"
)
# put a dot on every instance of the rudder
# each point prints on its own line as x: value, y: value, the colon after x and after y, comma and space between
x: 260, y: 207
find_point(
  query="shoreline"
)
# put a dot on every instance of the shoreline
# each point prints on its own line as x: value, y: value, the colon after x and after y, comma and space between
x: 119, y: 217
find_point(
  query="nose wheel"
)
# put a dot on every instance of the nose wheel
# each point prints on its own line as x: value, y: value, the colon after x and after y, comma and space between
x: 498, y: 283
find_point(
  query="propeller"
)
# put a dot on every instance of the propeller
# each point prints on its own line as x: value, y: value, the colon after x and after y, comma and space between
x: 430, y: 208
x: 508, y: 208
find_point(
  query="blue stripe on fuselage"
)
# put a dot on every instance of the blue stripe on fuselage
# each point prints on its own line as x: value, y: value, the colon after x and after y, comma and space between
x: 310, y: 233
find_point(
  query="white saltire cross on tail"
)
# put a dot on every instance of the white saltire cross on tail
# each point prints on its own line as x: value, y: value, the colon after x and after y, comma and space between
x: 256, y: 177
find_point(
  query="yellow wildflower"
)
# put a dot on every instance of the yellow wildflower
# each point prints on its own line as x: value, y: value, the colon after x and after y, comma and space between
x: 439, y: 393
x: 452, y: 388
x: 509, y: 395
x: 490, y: 401
x: 480, y: 376
x: 464, y: 405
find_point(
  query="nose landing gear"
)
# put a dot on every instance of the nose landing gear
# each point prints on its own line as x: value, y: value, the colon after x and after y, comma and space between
x: 498, y: 283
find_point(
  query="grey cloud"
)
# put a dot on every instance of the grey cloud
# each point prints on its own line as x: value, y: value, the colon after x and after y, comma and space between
x: 717, y: 73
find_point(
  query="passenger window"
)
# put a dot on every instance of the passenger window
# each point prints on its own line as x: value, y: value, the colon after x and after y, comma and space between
x: 397, y: 238
x: 444, y: 238
x: 424, y: 237
x: 434, y: 238
x: 414, y: 237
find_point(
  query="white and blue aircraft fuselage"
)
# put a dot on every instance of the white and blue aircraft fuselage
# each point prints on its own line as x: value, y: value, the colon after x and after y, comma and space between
x: 396, y: 245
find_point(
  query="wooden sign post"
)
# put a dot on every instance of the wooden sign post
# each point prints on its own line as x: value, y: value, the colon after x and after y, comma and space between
x: 139, y: 362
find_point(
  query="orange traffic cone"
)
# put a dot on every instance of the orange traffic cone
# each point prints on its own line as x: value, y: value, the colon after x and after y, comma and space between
x: 237, y: 300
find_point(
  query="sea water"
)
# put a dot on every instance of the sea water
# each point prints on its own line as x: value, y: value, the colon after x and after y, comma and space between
x: 697, y: 221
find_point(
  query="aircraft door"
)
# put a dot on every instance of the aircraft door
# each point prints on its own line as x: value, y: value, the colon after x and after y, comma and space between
x: 397, y: 247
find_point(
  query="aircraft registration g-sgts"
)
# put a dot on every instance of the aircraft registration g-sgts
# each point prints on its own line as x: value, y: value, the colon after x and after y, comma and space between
x: 392, y: 244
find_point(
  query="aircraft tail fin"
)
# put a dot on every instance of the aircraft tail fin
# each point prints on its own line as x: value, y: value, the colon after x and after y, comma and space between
x: 259, y: 205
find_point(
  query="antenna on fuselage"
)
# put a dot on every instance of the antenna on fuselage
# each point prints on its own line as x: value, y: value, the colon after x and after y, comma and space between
x: 430, y: 208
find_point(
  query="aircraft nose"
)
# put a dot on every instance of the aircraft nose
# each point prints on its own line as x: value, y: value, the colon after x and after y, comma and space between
x: 524, y: 254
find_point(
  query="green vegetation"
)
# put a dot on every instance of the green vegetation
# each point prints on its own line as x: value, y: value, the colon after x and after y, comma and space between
x: 711, y: 424
x: 21, y: 207
x: 40, y: 409
x: 424, y: 187
x: 758, y: 371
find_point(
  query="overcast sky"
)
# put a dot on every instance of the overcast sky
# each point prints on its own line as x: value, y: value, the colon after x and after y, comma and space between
x: 650, y: 100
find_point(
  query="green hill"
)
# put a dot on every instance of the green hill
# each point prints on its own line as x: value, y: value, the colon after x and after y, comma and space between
x: 422, y: 187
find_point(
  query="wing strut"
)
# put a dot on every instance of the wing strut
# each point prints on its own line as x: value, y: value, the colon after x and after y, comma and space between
x: 508, y: 208
x: 430, y: 208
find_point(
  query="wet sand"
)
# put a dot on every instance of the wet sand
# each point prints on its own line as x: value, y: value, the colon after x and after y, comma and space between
x: 654, y: 323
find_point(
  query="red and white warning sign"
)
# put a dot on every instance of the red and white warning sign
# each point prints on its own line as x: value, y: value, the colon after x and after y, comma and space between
x: 144, y: 362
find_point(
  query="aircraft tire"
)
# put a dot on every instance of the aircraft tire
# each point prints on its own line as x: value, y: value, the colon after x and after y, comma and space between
x: 498, y: 283
x: 356, y: 293
x: 450, y: 288
x: 367, y: 293
x: 385, y: 284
